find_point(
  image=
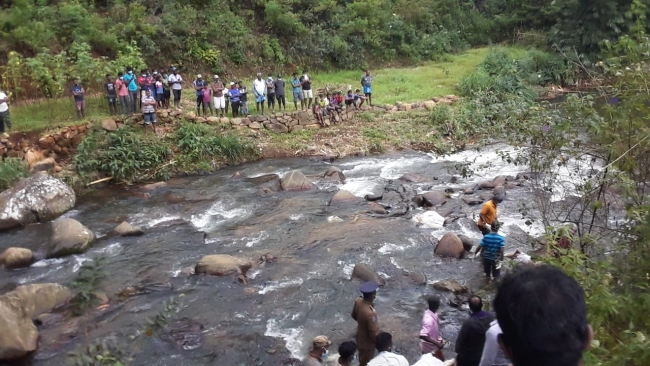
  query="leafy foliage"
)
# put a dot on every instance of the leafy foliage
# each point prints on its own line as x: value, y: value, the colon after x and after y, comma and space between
x: 87, y: 283
x: 11, y: 170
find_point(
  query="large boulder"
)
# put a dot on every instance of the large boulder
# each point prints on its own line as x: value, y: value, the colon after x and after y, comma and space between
x: 16, y: 257
x: 222, y: 265
x: 450, y: 245
x: 109, y: 125
x: 68, y: 236
x: 343, y: 196
x: 296, y: 181
x: 366, y: 273
x: 38, y: 198
x: 18, y: 308
x: 434, y: 198
x: 450, y: 286
x: 468, y: 243
x: 126, y: 229
x: 334, y: 174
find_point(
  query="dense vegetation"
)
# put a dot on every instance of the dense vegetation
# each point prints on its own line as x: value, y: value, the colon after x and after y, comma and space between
x: 46, y: 42
x: 11, y: 170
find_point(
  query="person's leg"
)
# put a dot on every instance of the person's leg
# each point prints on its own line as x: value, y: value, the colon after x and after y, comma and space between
x: 199, y: 101
x: 7, y: 120
x: 2, y: 123
x: 226, y: 105
x: 134, y: 101
x: 154, y: 121
x: 487, y: 267
x: 295, y: 100
x: 365, y: 355
x: 496, y: 272
x: 283, y: 101
x: 369, y: 96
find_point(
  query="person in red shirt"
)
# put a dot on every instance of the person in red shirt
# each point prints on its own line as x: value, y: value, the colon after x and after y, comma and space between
x: 339, y: 98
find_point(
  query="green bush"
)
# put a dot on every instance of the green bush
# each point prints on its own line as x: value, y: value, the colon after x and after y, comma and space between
x: 11, y: 170
x: 201, y: 142
x: 441, y: 114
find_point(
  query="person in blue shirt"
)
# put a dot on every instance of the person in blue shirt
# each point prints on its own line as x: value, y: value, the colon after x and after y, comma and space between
x: 493, y: 246
x: 78, y: 94
x: 297, y: 92
x: 130, y: 80
x: 235, y: 96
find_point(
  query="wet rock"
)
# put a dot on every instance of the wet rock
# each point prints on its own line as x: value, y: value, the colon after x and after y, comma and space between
x: 468, y: 243
x: 366, y: 273
x: 526, y: 175
x: 296, y: 181
x: 152, y: 186
x: 343, y: 196
x: 263, y: 178
x: 19, y: 308
x: 16, y: 258
x: 377, y: 208
x: 418, y: 200
x: 468, y: 191
x: 499, y: 191
x: 184, y: 333
x: 473, y: 201
x: 413, y: 178
x: 334, y: 174
x: 417, y: 278
x: 44, y: 165
x: 434, y: 198
x: 450, y: 245
x: 68, y: 236
x: 277, y: 127
x: 373, y: 197
x: 222, y: 265
x: 237, y: 175
x: 429, y: 220
x: 450, y: 286
x: 39, y: 198
x: 486, y: 196
x: 126, y: 229
x: 109, y: 125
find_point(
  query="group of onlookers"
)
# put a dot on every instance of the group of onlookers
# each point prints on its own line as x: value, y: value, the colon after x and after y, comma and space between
x: 541, y: 320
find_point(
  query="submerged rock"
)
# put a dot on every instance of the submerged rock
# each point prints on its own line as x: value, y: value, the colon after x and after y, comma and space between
x: 17, y: 257
x: 296, y: 181
x: 366, y: 273
x: 263, y: 178
x: 222, y: 265
x: 18, y: 308
x: 39, y: 198
x: 68, y: 236
x: 413, y: 178
x: 126, y: 229
x: 450, y: 245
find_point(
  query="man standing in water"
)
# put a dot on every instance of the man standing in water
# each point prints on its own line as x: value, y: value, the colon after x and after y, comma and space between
x: 366, y: 83
x: 488, y: 214
x: 367, y: 324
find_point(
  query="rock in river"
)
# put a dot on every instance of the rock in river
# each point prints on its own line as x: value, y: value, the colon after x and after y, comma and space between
x: 222, y: 265
x: 343, y: 196
x: 16, y: 257
x: 434, y: 198
x: 38, y: 198
x: 334, y: 174
x: 126, y: 229
x: 366, y: 273
x: 450, y: 245
x: 69, y: 237
x: 17, y: 310
x: 296, y: 181
x: 450, y: 286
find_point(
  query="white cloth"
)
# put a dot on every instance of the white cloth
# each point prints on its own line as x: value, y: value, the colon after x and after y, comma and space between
x: 175, y: 80
x: 307, y: 93
x: 219, y: 102
x: 388, y: 359
x: 259, y: 87
x: 427, y: 359
x: 492, y: 353
x: 3, y: 106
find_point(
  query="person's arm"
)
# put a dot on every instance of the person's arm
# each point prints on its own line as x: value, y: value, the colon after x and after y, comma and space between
x: 4, y: 100
x: 427, y: 324
x: 490, y: 350
x: 373, y: 327
x: 461, y: 338
x: 354, y: 311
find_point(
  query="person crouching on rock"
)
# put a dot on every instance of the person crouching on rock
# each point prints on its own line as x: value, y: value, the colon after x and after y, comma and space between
x: 488, y: 214
x: 493, y: 246
x: 318, y: 114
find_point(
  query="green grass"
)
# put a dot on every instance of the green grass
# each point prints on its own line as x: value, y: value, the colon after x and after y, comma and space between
x: 406, y: 84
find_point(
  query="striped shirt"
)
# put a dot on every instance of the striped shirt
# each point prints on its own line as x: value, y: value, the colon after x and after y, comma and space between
x: 492, y: 243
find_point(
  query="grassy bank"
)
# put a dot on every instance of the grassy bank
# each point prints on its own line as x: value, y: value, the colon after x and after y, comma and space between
x: 391, y: 85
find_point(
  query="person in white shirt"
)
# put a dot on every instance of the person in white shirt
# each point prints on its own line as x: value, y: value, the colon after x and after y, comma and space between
x: 492, y: 353
x: 176, y: 81
x: 385, y: 356
x: 4, y: 114
x: 428, y: 359
x: 259, y: 89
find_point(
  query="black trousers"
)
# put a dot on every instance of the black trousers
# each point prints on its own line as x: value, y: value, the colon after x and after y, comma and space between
x: 490, y: 268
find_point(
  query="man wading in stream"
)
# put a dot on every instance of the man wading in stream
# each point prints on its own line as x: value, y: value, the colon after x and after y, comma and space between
x: 367, y: 324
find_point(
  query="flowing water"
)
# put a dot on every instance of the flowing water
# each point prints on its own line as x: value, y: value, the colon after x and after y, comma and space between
x: 306, y: 292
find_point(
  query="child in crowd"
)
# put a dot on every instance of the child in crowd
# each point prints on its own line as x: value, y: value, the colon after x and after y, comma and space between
x: 349, y: 99
x: 149, y: 111
x: 318, y: 114
x: 359, y: 98
x: 159, y: 91
x: 207, y: 100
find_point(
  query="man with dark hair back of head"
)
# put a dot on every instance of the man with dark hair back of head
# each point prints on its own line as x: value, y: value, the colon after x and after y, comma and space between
x: 543, y: 317
x: 431, y: 339
x: 386, y: 357
x: 471, y: 338
x: 345, y: 356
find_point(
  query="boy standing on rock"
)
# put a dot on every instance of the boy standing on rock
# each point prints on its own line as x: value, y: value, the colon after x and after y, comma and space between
x: 493, y: 246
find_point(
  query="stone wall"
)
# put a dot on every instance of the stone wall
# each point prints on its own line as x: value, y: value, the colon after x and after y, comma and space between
x: 56, y: 148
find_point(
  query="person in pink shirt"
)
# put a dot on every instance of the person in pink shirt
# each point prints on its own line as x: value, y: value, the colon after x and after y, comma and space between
x: 431, y: 339
x: 122, y: 92
x: 207, y: 100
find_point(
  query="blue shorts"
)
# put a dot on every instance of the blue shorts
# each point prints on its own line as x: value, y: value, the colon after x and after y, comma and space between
x: 297, y: 95
x: 260, y: 98
x: 149, y: 118
x: 367, y: 90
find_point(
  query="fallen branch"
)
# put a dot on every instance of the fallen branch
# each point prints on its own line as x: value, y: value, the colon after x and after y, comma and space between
x: 99, y: 181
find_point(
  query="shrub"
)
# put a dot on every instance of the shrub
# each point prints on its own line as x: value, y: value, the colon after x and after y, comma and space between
x: 441, y: 114
x: 11, y: 170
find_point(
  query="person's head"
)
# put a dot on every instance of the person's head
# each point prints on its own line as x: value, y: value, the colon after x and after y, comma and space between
x: 279, y: 76
x: 259, y: 76
x: 120, y: 74
x: 108, y: 77
x: 148, y: 92
x: 384, y: 342
x: 240, y: 83
x: 304, y: 72
x: 155, y: 72
x: 270, y: 76
x: 77, y: 81
x: 329, y: 94
x: 174, y: 70
x: 295, y: 74
x: 369, y: 290
x: 199, y: 77
x: 233, y: 85
x: 349, y: 91
x: 434, y: 302
x: 357, y: 91
x: 320, y: 346
x: 347, y: 351
x: 143, y: 72
x: 129, y: 69
x: 497, y: 199
x: 339, y: 92
x: 367, y: 72
x: 475, y: 304
x: 495, y: 226
x: 216, y: 78
x: 543, y: 316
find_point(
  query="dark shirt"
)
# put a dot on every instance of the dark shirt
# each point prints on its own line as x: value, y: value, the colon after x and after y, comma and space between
x: 110, y: 89
x: 306, y: 85
x: 77, y: 89
x: 243, y: 94
x: 279, y: 87
x: 471, y: 338
x: 199, y: 84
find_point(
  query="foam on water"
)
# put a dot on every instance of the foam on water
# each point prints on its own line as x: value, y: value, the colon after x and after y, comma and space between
x: 272, y: 285
x: 156, y: 221
x: 485, y: 163
x: 48, y: 262
x: 362, y: 186
x: 292, y: 336
x: 217, y: 214
x: 295, y: 217
x: 251, y: 241
x: 78, y: 262
x: 395, y: 168
x: 111, y: 250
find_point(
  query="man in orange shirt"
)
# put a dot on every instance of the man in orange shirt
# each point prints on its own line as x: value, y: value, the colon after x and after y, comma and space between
x: 488, y: 214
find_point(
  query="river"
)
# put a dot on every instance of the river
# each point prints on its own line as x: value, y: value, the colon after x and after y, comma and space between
x: 306, y: 292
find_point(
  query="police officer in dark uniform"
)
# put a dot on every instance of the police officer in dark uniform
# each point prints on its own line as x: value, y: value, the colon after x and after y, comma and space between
x: 367, y: 325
